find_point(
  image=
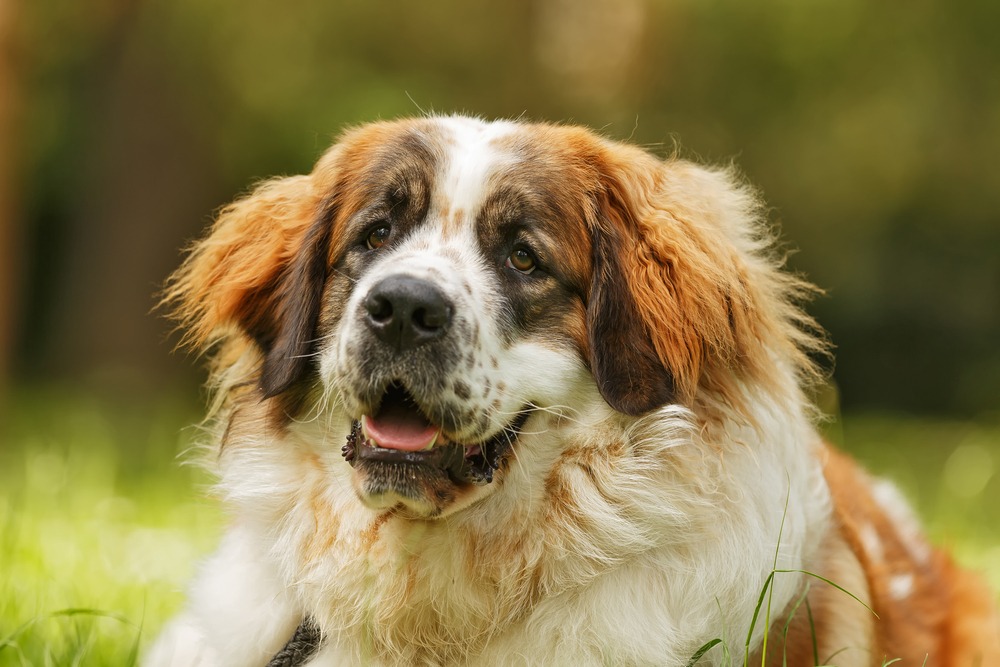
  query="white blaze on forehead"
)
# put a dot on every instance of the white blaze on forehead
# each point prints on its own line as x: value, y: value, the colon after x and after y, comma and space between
x: 471, y: 156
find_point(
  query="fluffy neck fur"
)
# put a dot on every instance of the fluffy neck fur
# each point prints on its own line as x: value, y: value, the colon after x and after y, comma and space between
x: 688, y: 507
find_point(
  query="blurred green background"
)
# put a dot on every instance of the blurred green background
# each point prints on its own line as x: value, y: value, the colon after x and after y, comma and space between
x: 873, y: 128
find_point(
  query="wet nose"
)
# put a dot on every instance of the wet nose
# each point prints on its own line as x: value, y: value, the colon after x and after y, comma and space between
x: 406, y: 312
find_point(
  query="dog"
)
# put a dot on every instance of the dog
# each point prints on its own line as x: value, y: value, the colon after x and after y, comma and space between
x: 501, y: 393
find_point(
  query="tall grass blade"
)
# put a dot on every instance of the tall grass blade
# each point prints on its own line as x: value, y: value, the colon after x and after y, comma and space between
x: 774, y: 566
x: 756, y: 614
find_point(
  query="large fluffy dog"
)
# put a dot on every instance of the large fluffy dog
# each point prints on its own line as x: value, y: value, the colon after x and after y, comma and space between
x: 500, y: 393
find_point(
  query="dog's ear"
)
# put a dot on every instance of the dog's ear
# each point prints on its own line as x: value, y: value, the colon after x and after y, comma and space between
x: 630, y: 375
x: 671, y: 297
x: 259, y: 274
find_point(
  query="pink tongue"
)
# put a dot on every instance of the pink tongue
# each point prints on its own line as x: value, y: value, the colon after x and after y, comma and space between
x: 399, y: 428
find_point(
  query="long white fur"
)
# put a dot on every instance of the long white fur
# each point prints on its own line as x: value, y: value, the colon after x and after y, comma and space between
x: 665, y: 544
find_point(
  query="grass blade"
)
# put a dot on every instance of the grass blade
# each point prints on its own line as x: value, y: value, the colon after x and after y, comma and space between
x: 702, y: 651
x: 756, y: 614
x: 788, y: 623
x: 812, y: 632
x: 827, y: 581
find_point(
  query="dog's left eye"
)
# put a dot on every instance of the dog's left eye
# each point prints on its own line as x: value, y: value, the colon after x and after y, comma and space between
x: 378, y: 236
x: 521, y: 259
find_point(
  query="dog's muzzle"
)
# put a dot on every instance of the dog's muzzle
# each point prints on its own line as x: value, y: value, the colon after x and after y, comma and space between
x: 415, y: 439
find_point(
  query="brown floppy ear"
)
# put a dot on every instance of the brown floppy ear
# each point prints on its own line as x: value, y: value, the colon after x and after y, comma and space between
x: 670, y: 299
x: 629, y: 374
x: 259, y: 274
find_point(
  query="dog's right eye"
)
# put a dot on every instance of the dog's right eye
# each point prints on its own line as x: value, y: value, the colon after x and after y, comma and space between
x: 378, y: 236
x: 521, y: 259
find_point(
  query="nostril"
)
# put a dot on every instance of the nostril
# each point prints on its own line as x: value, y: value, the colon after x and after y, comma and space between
x: 420, y: 319
x: 432, y: 318
x: 379, y: 308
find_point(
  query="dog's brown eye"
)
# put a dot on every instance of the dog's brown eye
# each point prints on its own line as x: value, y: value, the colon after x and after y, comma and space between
x: 378, y: 236
x: 521, y: 260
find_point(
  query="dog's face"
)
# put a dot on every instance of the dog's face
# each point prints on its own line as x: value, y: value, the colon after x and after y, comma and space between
x: 440, y: 281
x: 454, y: 308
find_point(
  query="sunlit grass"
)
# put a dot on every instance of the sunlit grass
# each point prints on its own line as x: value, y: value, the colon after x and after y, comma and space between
x: 101, y: 527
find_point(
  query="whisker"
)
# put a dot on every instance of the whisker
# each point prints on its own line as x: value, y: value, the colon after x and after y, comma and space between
x: 350, y: 278
x: 306, y: 356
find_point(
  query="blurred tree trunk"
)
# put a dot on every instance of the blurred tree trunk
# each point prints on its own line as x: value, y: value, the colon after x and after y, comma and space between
x: 9, y: 218
x: 143, y: 187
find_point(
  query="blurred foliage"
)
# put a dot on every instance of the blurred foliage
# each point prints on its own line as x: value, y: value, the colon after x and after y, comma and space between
x: 872, y: 128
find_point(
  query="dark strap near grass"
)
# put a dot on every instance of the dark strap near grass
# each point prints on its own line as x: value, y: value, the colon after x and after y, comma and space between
x: 303, y: 644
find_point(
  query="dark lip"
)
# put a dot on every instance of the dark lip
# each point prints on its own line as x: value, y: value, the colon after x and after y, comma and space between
x: 454, y: 459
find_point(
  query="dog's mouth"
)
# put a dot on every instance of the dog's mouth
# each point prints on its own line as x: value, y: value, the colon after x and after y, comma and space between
x: 400, y: 433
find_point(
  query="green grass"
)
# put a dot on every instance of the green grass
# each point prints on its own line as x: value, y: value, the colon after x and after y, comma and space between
x: 101, y: 527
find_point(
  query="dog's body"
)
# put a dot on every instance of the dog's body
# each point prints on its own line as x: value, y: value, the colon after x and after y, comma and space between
x: 567, y: 380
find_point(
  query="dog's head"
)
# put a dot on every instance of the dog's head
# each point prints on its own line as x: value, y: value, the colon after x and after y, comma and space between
x: 440, y: 280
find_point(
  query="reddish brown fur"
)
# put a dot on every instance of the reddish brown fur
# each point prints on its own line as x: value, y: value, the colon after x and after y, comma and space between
x: 948, y: 617
x: 707, y: 315
x: 327, y: 525
x: 699, y: 311
x: 229, y: 287
x: 370, y: 535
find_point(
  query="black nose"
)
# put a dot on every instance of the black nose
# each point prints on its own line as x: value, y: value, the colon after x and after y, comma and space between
x: 405, y: 312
